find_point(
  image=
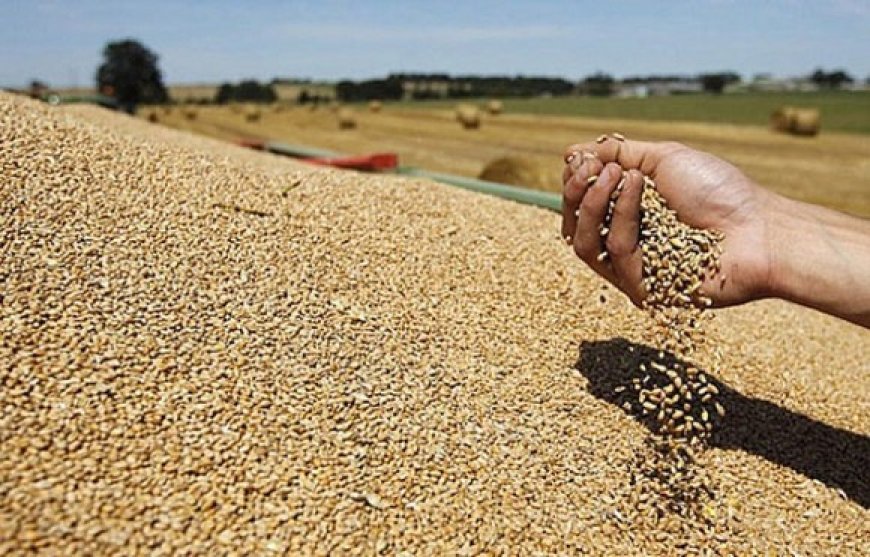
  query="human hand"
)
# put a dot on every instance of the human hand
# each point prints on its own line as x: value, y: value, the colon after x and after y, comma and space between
x: 705, y: 192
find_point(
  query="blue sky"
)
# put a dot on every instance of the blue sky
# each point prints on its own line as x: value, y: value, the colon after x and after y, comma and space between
x: 60, y: 41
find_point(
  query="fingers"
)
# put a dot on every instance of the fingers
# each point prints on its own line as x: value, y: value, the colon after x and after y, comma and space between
x: 608, y: 243
x: 587, y: 242
x: 640, y: 155
x: 581, y: 169
x: 622, y: 240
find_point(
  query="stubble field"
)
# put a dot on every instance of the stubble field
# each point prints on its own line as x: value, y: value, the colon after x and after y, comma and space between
x: 832, y: 169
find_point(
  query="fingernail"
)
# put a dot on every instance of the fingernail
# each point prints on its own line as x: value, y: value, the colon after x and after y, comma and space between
x: 571, y: 157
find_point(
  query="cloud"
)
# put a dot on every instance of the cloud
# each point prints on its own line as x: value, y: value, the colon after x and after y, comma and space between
x: 346, y: 32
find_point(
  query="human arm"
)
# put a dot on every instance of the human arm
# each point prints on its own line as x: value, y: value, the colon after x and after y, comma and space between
x: 774, y: 247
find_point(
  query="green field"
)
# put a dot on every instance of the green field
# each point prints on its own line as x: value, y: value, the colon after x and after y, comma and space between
x: 844, y: 111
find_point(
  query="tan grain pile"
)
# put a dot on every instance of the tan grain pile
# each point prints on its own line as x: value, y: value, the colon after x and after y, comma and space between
x: 205, y: 356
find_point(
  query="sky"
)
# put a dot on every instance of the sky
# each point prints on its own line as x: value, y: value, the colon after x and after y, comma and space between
x: 60, y: 41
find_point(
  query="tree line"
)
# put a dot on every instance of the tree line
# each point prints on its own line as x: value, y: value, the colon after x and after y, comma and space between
x: 129, y: 73
x: 249, y: 90
x: 421, y: 86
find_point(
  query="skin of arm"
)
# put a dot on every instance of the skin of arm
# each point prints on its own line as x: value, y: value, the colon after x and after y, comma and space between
x: 774, y: 246
x: 819, y: 258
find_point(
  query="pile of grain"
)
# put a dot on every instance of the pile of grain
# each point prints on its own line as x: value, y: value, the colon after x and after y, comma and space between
x: 206, y: 356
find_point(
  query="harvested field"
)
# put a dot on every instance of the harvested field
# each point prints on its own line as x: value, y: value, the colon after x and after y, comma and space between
x: 210, y: 350
x: 798, y: 167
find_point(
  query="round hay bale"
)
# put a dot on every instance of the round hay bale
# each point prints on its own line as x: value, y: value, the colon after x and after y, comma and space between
x: 523, y: 171
x: 806, y: 121
x: 190, y: 113
x: 253, y: 115
x: 469, y: 116
x: 346, y: 119
x: 375, y: 106
x: 781, y: 118
x: 152, y: 117
x: 495, y: 107
x: 796, y: 121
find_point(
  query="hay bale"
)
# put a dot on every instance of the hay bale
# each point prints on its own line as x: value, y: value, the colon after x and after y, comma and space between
x: 253, y: 115
x: 796, y: 121
x: 780, y: 118
x: 495, y: 107
x: 468, y: 115
x: 334, y: 107
x: 152, y: 117
x: 190, y: 113
x: 523, y: 171
x: 806, y: 121
x: 375, y: 106
x: 346, y: 119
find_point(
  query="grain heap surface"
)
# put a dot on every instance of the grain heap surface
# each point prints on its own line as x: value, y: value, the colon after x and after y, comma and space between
x: 203, y: 355
x: 221, y: 152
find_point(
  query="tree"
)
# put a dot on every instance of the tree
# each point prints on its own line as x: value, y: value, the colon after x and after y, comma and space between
x: 830, y: 80
x: 599, y: 85
x: 381, y: 89
x: 716, y: 82
x: 38, y: 89
x: 713, y: 82
x: 129, y: 71
x: 249, y: 90
x: 224, y: 93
